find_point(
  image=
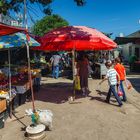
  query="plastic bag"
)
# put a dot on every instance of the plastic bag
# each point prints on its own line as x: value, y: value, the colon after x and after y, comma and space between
x: 128, y: 84
x: 45, y: 117
x: 77, y: 83
x: 120, y: 93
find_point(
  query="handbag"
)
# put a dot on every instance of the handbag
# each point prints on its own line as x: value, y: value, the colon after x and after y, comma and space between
x: 120, y: 93
x: 128, y: 84
x: 77, y: 83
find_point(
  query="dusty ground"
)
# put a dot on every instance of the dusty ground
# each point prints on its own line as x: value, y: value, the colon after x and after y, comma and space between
x: 88, y: 118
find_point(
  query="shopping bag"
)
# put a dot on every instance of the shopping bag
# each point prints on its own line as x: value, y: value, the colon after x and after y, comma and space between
x: 120, y: 93
x: 77, y: 83
x: 128, y: 84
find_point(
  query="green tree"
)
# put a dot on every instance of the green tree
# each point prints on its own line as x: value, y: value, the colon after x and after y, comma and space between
x: 16, y: 5
x: 48, y: 23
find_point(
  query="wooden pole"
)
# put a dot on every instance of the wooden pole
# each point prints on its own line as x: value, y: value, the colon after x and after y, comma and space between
x: 28, y: 57
x: 9, y: 61
x: 73, y: 68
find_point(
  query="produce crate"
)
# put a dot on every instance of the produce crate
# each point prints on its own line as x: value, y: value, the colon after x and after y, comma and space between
x: 2, y: 105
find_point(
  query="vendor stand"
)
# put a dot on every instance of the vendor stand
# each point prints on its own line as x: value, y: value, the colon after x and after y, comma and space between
x: 23, y: 90
x: 100, y: 70
x: 98, y: 61
x: 2, y: 109
x: 14, y: 40
x: 7, y: 102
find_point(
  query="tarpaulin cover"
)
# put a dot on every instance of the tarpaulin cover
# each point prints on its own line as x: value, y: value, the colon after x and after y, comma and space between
x: 6, y: 29
x: 16, y: 40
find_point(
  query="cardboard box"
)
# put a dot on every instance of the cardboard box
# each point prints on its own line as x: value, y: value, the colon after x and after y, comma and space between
x: 2, y: 105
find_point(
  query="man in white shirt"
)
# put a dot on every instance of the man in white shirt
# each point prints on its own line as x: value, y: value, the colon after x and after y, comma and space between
x: 55, y: 61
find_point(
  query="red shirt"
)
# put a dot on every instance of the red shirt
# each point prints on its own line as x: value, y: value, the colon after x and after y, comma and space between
x: 120, y: 70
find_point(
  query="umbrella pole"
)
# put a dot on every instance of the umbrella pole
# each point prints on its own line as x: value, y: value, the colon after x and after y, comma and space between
x: 73, y: 69
x: 28, y: 57
x: 30, y: 77
x: 9, y: 60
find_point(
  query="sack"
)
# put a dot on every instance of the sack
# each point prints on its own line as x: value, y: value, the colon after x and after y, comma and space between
x: 120, y: 93
x: 128, y: 84
x: 77, y: 83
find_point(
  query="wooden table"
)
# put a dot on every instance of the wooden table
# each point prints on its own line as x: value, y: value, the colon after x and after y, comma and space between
x: 23, y: 89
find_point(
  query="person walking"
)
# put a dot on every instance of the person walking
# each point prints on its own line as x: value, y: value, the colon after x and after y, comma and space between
x: 122, y: 74
x: 131, y: 61
x: 82, y: 72
x: 55, y: 61
x: 111, y: 76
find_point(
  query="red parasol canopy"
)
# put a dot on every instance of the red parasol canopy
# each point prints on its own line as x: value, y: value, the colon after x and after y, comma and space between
x: 75, y: 38
x: 6, y: 29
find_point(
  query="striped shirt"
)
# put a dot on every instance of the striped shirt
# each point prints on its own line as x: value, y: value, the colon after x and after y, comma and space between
x: 112, y: 76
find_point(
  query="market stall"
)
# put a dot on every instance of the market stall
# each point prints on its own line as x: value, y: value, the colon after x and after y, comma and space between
x: 100, y: 70
x: 7, y: 42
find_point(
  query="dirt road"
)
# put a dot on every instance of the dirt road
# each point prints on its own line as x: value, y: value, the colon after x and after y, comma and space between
x: 87, y: 118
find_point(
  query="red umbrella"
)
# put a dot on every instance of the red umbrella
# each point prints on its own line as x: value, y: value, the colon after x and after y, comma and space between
x: 77, y: 38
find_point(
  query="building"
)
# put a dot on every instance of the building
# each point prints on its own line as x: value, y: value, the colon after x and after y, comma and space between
x: 6, y: 19
x: 129, y: 45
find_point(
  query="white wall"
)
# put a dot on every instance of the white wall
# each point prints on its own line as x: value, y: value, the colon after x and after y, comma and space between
x: 128, y: 49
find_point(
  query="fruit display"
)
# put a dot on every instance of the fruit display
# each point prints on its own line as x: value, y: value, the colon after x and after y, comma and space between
x: 2, y: 76
x: 3, y: 84
x: 14, y: 79
x: 3, y: 81
x: 3, y: 92
x: 36, y: 73
x: 23, y: 69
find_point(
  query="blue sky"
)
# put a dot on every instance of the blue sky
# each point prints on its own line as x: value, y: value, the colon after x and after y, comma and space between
x: 116, y: 16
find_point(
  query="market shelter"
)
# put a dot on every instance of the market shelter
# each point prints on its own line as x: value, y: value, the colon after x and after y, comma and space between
x: 9, y: 38
x: 6, y: 30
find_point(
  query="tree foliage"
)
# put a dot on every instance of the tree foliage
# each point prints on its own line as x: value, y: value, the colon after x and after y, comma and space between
x: 48, y: 23
x: 15, y: 5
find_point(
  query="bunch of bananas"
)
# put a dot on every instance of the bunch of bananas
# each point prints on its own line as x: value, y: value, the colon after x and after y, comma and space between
x: 3, y: 92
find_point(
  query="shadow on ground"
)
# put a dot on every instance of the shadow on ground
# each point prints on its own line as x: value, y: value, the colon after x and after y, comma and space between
x: 102, y: 97
x: 56, y: 92
x: 135, y: 83
x: 134, y: 78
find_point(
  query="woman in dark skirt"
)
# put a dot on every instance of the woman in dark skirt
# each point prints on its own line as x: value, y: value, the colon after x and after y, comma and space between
x: 82, y: 72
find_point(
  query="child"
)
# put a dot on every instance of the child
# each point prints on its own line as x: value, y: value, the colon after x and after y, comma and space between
x: 111, y: 76
x: 122, y: 74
